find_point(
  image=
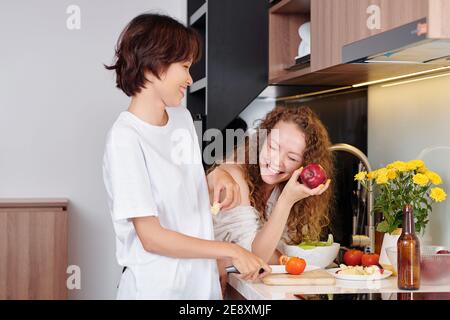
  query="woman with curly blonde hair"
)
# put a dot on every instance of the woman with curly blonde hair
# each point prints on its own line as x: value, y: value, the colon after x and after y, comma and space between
x: 274, y: 205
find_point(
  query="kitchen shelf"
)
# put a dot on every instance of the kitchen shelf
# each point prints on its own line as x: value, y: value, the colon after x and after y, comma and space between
x: 233, y: 67
x: 197, y: 15
x: 198, y: 85
x: 198, y: 22
x: 291, y: 7
x: 285, y: 18
x: 193, y: 6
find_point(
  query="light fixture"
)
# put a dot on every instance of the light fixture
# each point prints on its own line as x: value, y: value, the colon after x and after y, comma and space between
x: 300, y: 96
x: 392, y: 62
x: 400, y: 77
x: 415, y: 80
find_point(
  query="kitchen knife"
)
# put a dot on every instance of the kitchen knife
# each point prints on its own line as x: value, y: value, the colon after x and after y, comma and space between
x: 232, y: 269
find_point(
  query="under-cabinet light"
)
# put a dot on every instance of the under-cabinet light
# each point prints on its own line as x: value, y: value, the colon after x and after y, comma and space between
x: 300, y: 96
x: 415, y: 80
x: 400, y: 77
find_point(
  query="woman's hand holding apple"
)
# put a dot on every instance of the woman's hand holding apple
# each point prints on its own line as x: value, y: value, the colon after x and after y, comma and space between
x: 295, y: 191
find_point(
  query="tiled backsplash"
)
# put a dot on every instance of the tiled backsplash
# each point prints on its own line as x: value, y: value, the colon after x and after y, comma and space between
x: 413, y: 121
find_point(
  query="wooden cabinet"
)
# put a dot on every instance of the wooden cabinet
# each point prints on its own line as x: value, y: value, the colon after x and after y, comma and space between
x: 33, y: 248
x: 335, y: 24
x: 284, y: 20
x: 438, y: 19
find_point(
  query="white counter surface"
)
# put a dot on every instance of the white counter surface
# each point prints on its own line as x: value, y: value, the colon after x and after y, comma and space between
x: 259, y: 291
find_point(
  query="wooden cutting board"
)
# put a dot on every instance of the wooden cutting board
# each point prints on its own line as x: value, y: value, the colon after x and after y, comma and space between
x: 315, y: 277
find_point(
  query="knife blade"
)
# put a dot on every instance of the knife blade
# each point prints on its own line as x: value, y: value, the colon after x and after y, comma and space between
x: 232, y: 269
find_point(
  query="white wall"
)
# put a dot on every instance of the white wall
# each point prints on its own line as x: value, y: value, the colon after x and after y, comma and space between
x: 57, y: 102
x: 256, y: 111
x: 409, y: 120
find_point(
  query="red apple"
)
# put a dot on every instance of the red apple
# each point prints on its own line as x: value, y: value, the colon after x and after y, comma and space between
x: 313, y: 175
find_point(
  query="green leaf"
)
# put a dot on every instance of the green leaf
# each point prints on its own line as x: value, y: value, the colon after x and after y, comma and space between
x: 383, y: 226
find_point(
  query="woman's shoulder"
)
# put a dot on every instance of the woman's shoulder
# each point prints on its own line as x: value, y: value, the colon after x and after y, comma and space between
x: 238, y: 174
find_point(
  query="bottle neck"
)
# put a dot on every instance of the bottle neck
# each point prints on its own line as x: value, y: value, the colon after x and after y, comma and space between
x: 408, y: 220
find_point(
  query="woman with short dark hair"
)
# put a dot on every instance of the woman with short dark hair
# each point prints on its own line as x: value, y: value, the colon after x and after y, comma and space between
x: 154, y: 178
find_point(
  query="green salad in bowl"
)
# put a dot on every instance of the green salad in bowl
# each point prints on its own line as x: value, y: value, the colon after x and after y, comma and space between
x: 316, y: 253
x: 309, y: 245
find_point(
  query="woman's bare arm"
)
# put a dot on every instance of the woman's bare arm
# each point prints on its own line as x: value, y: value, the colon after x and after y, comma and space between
x: 267, y: 238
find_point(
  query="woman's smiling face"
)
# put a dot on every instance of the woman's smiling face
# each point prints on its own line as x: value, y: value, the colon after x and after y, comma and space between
x: 173, y: 83
x: 281, y: 153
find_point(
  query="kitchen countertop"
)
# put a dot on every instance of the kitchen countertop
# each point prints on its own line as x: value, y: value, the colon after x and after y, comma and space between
x: 387, y: 288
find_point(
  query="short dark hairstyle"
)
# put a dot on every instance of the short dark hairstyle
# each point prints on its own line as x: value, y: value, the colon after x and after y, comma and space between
x: 150, y: 43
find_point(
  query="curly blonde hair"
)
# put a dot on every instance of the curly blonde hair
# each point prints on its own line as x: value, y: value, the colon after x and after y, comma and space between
x: 309, y: 216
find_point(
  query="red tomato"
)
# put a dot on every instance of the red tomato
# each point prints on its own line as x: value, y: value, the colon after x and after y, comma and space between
x: 295, y: 266
x: 353, y: 257
x: 283, y: 260
x: 370, y: 259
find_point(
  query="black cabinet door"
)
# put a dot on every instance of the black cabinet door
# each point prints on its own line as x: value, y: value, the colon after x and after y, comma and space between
x: 237, y: 57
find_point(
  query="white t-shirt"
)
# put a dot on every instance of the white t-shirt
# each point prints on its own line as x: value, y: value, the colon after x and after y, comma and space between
x: 157, y: 171
x: 241, y: 224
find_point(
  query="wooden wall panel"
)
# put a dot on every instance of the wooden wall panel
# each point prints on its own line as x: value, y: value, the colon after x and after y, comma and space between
x: 439, y: 20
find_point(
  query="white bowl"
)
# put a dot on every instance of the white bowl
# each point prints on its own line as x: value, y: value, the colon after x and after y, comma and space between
x: 434, y: 268
x: 424, y: 251
x: 319, y: 256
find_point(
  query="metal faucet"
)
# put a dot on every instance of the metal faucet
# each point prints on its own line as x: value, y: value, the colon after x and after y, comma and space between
x: 370, y: 219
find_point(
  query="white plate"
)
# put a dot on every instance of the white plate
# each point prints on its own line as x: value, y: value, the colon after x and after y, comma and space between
x: 351, y: 277
x: 282, y: 268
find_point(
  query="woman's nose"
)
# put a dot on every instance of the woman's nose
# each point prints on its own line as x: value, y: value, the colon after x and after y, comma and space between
x: 275, y: 160
x: 283, y: 163
x: 189, y: 80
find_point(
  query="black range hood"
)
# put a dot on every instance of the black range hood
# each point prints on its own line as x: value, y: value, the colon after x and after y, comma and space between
x: 407, y: 44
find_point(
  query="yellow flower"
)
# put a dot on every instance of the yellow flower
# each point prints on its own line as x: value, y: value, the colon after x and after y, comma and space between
x: 416, y: 164
x: 382, y: 177
x: 392, y: 174
x: 422, y: 169
x: 361, y: 176
x: 438, y: 195
x: 410, y: 166
x: 391, y: 165
x: 421, y: 179
x: 398, y: 165
x: 372, y: 175
x: 434, y: 177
